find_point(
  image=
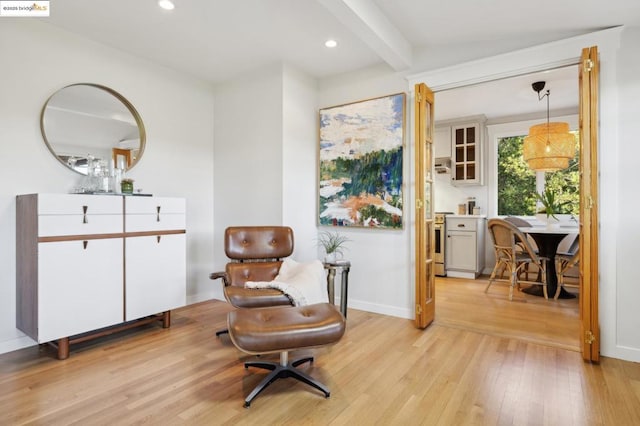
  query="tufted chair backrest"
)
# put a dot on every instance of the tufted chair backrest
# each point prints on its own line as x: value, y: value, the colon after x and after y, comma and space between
x: 256, y: 252
x: 258, y: 242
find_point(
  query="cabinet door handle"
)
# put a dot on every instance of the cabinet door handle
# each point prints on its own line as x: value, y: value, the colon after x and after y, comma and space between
x: 85, y: 243
x: 158, y: 214
x: 461, y: 225
x: 158, y: 237
x: 84, y: 214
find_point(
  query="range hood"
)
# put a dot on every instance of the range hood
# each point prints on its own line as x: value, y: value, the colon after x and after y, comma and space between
x: 442, y: 165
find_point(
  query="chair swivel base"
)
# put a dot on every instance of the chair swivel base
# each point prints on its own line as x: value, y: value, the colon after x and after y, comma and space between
x: 282, y: 370
x: 283, y: 329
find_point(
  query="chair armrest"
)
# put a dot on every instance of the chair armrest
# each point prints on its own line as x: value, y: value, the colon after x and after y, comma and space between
x: 221, y: 275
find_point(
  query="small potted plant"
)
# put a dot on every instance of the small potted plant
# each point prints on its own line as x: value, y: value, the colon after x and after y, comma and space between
x: 550, y: 204
x: 333, y: 244
x: 126, y: 186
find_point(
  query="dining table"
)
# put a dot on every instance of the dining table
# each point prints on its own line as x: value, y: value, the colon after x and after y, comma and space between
x: 548, y: 239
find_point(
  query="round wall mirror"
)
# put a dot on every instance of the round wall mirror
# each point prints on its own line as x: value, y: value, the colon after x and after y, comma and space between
x: 88, y: 125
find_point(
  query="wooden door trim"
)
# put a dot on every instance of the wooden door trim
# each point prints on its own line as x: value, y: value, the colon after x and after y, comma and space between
x: 589, y: 298
x: 424, y: 229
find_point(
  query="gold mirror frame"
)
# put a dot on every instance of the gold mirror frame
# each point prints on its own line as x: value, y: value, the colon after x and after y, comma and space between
x: 79, y: 124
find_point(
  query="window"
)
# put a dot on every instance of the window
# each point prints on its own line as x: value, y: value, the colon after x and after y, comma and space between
x: 517, y: 183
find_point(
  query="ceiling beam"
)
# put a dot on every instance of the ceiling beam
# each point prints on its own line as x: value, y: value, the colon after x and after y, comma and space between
x: 372, y: 26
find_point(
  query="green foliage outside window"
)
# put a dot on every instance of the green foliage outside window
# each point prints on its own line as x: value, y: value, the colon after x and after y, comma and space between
x: 517, y: 183
x: 566, y: 185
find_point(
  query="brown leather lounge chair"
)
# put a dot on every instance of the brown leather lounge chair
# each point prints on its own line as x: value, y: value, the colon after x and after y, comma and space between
x: 255, y: 254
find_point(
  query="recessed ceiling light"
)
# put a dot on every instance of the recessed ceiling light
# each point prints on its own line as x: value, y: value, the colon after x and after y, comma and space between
x: 166, y: 4
x: 331, y: 43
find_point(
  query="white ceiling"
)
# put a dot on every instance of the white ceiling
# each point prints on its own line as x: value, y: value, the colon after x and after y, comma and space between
x: 513, y: 97
x: 216, y: 40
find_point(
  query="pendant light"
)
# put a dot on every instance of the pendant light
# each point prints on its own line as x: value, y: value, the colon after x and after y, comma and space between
x: 549, y: 146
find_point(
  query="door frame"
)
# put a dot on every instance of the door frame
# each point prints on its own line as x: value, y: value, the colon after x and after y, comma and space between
x: 543, y: 57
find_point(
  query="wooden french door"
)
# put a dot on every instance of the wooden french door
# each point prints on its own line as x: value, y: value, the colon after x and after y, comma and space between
x: 425, y: 278
x: 424, y: 227
x: 588, y: 87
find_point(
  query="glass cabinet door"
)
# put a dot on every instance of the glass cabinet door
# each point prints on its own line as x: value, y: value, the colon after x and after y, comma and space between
x: 466, y: 144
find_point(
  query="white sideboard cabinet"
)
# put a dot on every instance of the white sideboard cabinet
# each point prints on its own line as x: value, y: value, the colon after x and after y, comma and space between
x: 91, y: 265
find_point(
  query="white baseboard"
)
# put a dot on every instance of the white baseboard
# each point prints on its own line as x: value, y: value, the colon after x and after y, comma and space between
x: 622, y: 352
x: 460, y: 274
x: 393, y: 311
x: 16, y: 343
x: 202, y: 297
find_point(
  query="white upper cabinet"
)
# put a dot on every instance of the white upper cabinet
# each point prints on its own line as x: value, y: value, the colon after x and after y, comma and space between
x: 466, y: 147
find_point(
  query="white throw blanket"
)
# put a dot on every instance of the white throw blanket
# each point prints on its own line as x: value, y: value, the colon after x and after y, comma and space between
x: 303, y: 283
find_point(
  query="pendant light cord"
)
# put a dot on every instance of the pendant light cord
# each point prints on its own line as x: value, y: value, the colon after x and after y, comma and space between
x: 548, y: 147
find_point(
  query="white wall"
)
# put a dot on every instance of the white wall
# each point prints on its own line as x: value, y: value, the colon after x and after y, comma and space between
x: 626, y: 337
x: 37, y: 60
x: 447, y: 196
x: 265, y: 156
x: 247, y: 156
x: 300, y: 156
x: 381, y: 267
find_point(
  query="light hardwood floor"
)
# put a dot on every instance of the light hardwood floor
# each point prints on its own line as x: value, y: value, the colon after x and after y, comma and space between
x: 463, y: 304
x: 383, y: 371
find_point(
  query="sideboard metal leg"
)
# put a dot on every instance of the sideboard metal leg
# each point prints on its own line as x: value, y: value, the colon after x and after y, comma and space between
x: 166, y: 319
x: 63, y: 348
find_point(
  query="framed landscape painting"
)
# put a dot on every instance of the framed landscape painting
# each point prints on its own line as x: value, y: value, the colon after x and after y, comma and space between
x: 360, y: 176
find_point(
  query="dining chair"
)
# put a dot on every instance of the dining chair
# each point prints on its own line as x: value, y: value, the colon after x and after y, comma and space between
x: 566, y: 261
x: 518, y: 221
x: 522, y: 223
x: 513, y: 253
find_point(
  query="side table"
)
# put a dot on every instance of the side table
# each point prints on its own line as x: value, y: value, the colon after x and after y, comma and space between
x: 331, y: 268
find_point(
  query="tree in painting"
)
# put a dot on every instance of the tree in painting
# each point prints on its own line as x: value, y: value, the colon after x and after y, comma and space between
x: 361, y: 163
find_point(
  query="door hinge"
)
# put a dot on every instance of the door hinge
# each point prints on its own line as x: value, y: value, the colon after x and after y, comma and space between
x: 589, y: 338
x: 418, y: 310
x: 419, y: 96
x: 419, y: 203
x: 588, y: 65
x: 588, y: 202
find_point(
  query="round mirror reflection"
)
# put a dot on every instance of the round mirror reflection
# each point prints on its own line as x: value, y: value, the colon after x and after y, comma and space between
x: 87, y: 125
